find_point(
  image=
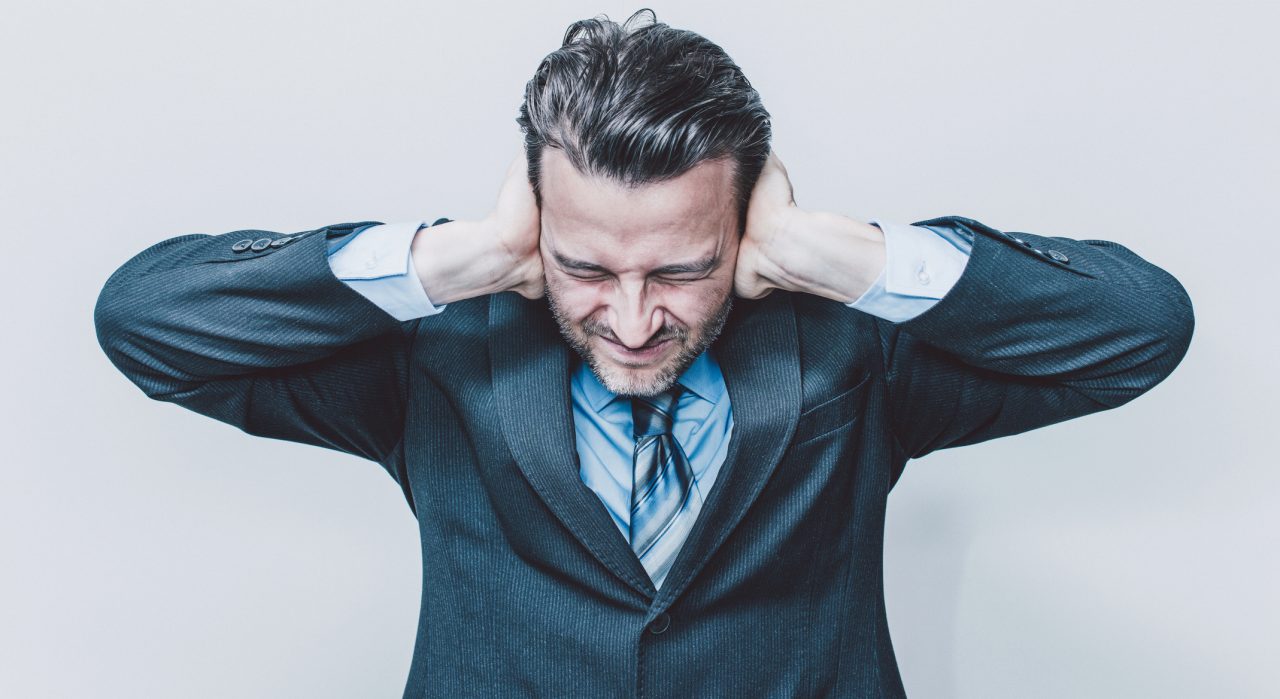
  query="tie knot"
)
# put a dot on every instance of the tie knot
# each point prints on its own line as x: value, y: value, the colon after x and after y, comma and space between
x: 655, y: 414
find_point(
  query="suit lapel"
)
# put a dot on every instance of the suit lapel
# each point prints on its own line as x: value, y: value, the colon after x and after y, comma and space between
x: 530, y: 364
x: 758, y: 353
x: 759, y: 358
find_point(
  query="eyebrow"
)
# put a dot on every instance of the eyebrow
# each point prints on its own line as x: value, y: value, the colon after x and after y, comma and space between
x: 695, y: 267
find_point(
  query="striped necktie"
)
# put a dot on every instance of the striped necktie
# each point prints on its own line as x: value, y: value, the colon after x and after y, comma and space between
x: 664, y: 501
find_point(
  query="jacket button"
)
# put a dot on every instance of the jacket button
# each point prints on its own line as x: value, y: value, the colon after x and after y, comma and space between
x: 241, y: 246
x: 660, y: 624
x: 1058, y: 256
x: 280, y: 242
x: 260, y: 244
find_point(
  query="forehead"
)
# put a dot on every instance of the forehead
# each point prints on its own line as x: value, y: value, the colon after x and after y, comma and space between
x: 599, y: 221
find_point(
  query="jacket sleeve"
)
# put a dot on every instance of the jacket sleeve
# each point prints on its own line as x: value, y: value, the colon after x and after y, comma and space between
x: 254, y: 329
x: 1036, y: 331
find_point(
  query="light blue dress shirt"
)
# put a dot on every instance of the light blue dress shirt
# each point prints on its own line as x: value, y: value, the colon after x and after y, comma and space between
x: 921, y: 265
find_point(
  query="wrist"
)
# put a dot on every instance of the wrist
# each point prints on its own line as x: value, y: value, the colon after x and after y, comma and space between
x: 454, y: 261
x: 829, y: 255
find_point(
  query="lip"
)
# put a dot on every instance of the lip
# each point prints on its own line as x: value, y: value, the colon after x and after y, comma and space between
x: 637, y: 355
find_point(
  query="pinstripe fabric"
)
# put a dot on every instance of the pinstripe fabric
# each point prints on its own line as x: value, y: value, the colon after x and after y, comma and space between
x: 664, y: 497
x: 529, y: 588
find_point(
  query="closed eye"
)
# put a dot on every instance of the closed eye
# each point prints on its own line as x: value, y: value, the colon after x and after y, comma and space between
x: 692, y: 271
x: 664, y: 280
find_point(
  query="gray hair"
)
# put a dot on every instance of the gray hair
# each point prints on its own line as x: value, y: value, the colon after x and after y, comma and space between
x: 640, y: 105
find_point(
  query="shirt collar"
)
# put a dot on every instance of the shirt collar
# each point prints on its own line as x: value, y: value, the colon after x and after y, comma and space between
x: 702, y: 378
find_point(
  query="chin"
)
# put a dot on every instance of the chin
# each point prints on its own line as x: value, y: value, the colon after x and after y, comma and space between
x: 636, y: 381
x: 585, y: 339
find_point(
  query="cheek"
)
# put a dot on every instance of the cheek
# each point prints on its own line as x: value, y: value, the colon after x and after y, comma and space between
x: 689, y: 306
x: 577, y: 300
x: 582, y: 296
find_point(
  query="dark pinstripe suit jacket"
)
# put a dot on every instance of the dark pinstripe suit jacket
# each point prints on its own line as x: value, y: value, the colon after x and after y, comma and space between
x: 528, y: 587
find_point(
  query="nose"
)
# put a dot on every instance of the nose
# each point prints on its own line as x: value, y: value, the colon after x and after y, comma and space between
x: 634, y: 317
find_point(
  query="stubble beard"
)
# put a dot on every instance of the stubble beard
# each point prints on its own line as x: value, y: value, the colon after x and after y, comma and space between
x: 649, y: 381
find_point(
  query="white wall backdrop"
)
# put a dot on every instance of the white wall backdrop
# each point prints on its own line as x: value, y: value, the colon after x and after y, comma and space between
x: 146, y: 551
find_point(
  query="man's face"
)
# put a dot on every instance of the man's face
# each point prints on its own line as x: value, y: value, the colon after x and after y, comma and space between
x: 641, y: 281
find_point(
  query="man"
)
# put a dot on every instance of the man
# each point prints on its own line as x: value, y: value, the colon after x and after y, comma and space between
x: 660, y: 468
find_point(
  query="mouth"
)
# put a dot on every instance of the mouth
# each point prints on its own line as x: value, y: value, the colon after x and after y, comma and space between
x: 642, y: 354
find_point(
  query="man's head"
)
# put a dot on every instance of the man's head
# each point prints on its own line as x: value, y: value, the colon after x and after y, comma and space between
x: 643, y: 147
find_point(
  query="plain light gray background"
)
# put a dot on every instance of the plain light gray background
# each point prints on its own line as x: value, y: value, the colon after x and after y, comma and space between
x: 146, y: 551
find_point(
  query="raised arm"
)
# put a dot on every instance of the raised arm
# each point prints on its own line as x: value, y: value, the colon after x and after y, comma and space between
x: 259, y: 330
x: 254, y: 329
x: 1034, y: 331
x: 1037, y: 330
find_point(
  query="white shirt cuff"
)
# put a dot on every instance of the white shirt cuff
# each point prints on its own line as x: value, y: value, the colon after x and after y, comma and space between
x: 921, y: 266
x: 376, y: 262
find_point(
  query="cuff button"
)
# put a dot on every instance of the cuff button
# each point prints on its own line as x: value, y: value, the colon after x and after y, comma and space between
x: 260, y: 244
x: 1058, y: 256
x: 241, y: 246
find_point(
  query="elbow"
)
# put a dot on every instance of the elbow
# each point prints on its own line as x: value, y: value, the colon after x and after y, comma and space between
x: 135, y: 322
x: 113, y: 310
x: 1179, y: 325
x: 1156, y: 345
x: 111, y: 325
x: 1171, y: 331
x: 117, y: 320
x: 108, y: 321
